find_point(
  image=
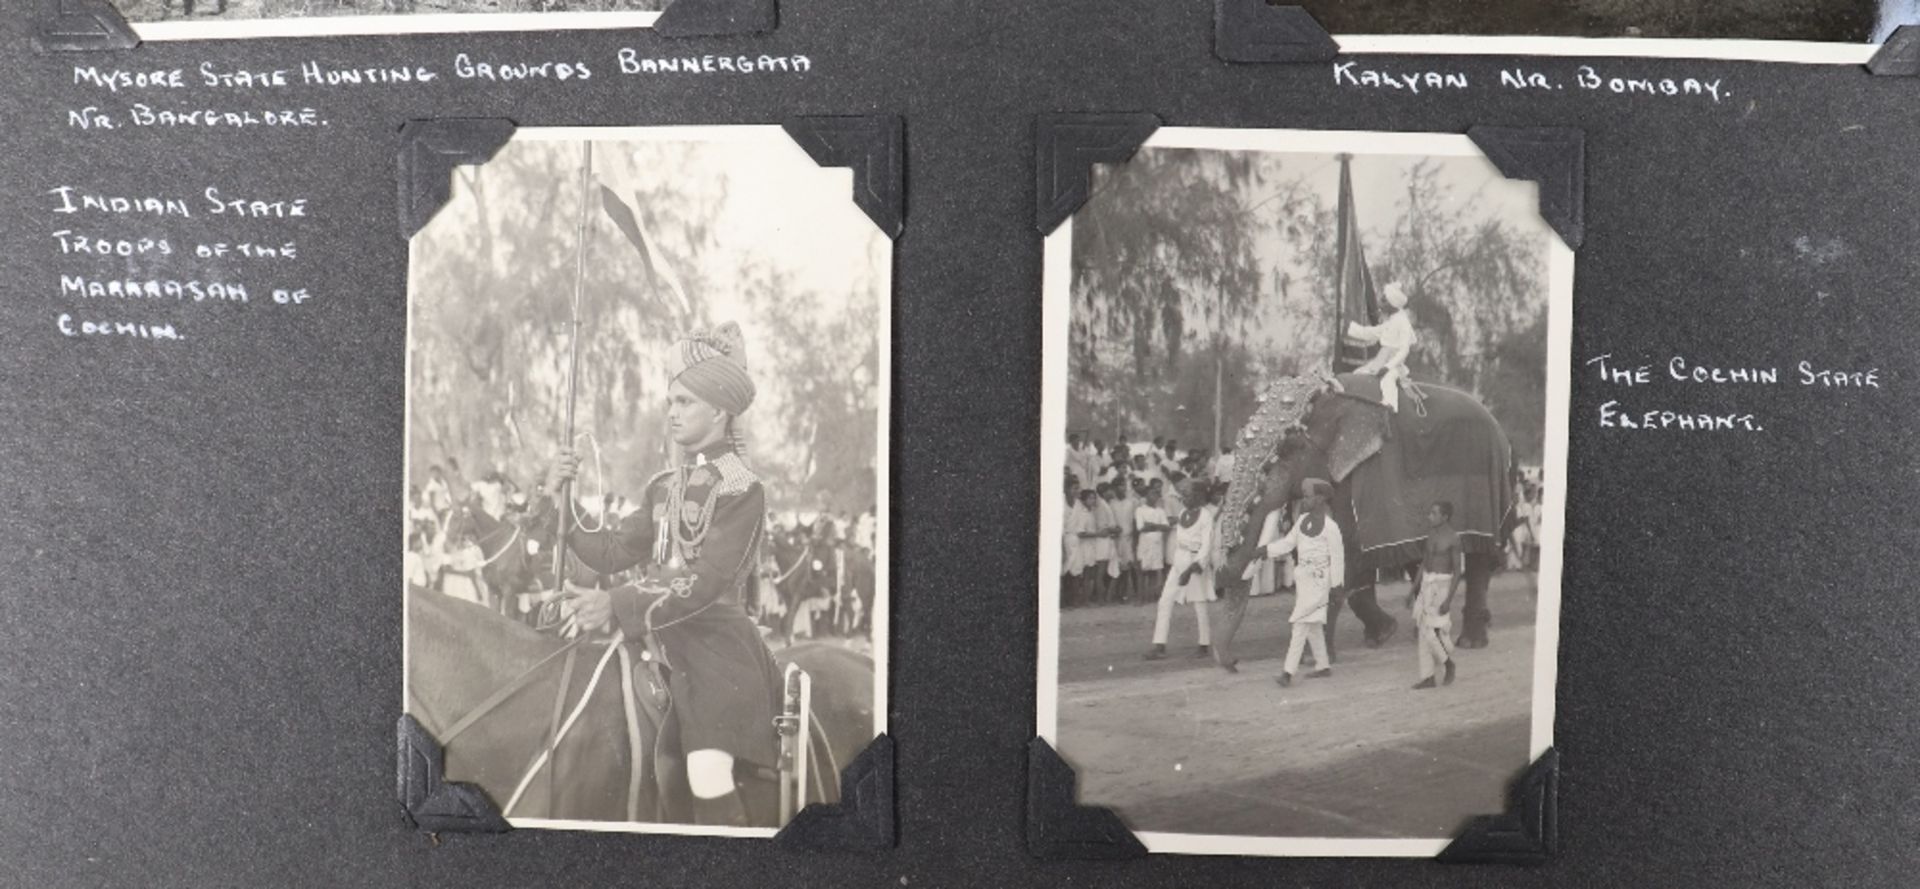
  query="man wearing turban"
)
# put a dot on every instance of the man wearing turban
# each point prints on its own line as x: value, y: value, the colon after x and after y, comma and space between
x: 696, y: 539
x: 1319, y: 553
x: 1395, y: 336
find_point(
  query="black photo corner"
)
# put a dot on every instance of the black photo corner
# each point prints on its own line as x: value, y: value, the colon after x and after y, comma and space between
x: 1067, y: 147
x: 1554, y: 159
x: 1058, y: 826
x: 81, y: 25
x: 1256, y: 31
x: 429, y: 150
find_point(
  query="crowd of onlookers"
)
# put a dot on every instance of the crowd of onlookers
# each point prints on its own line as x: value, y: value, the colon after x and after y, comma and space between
x: 444, y: 556
x: 1523, y: 538
x: 1123, y: 501
x: 816, y: 575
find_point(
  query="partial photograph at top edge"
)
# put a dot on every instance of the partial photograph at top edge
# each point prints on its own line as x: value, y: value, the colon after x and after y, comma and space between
x: 1824, y: 21
x: 145, y: 11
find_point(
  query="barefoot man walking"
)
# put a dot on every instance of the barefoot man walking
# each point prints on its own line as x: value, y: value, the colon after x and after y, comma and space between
x: 1440, y: 574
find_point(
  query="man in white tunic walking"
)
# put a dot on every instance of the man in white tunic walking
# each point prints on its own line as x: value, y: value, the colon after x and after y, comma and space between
x: 1320, y: 565
x: 1189, y: 575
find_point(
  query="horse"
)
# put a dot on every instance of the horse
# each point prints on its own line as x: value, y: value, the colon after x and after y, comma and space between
x: 862, y: 587
x: 795, y: 578
x: 494, y: 691
x: 853, y: 601
x: 510, y: 550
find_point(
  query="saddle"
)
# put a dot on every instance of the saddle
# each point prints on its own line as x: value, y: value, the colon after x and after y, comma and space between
x: 1367, y: 388
x: 645, y: 676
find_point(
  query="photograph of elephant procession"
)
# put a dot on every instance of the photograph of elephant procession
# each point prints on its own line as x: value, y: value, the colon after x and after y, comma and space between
x: 1304, y: 435
x: 647, y: 419
x: 213, y: 19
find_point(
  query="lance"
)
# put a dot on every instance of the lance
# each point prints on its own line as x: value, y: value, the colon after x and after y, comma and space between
x: 573, y: 361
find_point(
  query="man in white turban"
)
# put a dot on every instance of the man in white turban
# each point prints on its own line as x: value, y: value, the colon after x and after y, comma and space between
x: 1395, y: 336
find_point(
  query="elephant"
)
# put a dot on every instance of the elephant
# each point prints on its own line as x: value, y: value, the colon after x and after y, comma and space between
x: 1387, y: 469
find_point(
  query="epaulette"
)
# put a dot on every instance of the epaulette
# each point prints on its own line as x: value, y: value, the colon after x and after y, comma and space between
x: 735, y: 476
x: 660, y: 476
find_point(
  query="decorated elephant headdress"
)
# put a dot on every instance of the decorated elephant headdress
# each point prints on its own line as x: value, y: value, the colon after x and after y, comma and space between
x: 1282, y: 407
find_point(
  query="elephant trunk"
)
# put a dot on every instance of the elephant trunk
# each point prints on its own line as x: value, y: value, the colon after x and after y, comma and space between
x: 1257, y: 487
x: 1234, y: 587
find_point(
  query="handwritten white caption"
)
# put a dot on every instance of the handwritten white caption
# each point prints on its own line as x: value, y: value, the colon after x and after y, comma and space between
x: 1678, y: 370
x: 463, y: 68
x: 1584, y: 78
x: 126, y: 248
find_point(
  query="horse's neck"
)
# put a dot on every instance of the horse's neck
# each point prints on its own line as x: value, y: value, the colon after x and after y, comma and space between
x: 459, y: 652
x: 490, y: 531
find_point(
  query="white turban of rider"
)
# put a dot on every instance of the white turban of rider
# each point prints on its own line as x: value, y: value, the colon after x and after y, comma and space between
x: 1396, y: 295
x: 709, y: 363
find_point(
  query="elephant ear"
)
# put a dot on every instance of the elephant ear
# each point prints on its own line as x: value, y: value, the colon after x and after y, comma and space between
x: 1362, y: 432
x: 1282, y: 406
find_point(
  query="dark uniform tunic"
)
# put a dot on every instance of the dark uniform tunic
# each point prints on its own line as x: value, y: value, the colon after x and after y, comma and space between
x: 696, y: 537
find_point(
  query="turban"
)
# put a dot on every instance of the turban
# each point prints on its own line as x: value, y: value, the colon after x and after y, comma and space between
x: 1315, y: 487
x: 1396, y: 296
x: 709, y: 364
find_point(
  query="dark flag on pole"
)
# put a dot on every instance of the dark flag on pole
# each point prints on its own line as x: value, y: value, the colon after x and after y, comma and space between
x: 660, y: 279
x: 1355, y: 298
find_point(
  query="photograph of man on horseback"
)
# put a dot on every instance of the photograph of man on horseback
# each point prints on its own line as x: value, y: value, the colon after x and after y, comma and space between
x: 694, y: 538
x: 625, y: 333
x: 1363, y: 337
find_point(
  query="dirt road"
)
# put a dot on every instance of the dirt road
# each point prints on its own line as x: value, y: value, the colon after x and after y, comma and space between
x: 1181, y: 746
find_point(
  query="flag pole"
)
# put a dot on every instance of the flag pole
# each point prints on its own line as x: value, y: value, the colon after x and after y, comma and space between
x: 1343, y: 224
x: 573, y: 361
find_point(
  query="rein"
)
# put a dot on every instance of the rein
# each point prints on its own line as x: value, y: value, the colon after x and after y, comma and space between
x: 559, y: 727
x: 503, y: 550
x: 586, y: 697
x: 504, y: 692
x: 804, y: 555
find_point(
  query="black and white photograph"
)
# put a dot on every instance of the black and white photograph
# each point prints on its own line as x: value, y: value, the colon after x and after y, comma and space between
x: 209, y: 19
x: 646, y: 537
x: 1804, y: 31
x: 1303, y: 471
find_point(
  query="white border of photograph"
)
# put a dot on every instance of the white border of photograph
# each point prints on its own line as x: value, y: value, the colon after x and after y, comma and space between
x: 1803, y: 52
x: 774, y: 138
x: 388, y: 23
x: 1056, y: 323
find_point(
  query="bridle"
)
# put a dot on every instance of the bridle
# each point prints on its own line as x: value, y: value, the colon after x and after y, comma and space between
x: 481, y: 541
x: 805, y: 556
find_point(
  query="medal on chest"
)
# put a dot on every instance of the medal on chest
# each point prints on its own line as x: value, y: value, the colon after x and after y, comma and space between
x: 681, y: 523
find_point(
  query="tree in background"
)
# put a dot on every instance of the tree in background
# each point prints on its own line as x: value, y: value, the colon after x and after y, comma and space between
x: 493, y: 282
x: 830, y: 362
x: 1166, y: 248
x: 1201, y: 274
x: 493, y: 291
x: 1475, y: 284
